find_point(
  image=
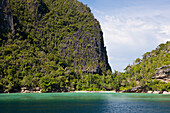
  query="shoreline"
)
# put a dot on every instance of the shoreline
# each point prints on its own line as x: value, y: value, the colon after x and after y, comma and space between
x: 95, y: 92
x: 149, y: 92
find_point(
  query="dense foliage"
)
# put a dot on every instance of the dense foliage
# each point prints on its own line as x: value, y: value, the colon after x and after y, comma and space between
x: 143, y: 70
x: 47, y: 43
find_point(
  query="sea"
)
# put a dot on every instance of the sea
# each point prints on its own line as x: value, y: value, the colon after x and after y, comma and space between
x: 84, y: 103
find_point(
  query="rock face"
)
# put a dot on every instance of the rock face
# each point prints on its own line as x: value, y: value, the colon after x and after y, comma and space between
x: 6, y: 17
x: 163, y: 74
x: 49, y: 44
x: 67, y: 26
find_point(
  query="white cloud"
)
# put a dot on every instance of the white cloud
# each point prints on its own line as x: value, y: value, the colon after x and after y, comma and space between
x: 132, y: 28
x: 127, y: 38
x: 165, y: 29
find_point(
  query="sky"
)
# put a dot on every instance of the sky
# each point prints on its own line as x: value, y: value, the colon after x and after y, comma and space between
x: 131, y: 27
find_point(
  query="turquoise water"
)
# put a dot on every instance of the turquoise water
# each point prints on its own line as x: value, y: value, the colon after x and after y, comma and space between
x: 84, y: 103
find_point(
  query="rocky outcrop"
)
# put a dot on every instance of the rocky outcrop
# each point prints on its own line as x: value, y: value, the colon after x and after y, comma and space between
x: 159, y: 92
x: 150, y: 92
x: 138, y: 89
x: 6, y: 17
x: 146, y: 89
x: 163, y: 74
x: 30, y: 90
x: 166, y: 93
x: 39, y: 90
x: 80, y: 39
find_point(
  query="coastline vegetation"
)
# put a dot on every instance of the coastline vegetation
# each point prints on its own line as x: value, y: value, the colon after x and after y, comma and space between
x: 138, y: 74
x: 57, y: 45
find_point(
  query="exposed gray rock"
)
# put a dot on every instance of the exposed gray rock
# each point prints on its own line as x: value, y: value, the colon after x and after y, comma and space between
x: 30, y: 90
x: 163, y: 74
x: 150, y: 92
x: 157, y: 92
x: 7, y: 23
x: 137, y: 89
x: 166, y: 92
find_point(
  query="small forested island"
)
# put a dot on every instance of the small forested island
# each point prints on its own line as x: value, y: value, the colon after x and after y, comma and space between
x: 57, y: 46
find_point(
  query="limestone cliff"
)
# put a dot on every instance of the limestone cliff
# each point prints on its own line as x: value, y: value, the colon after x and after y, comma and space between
x: 67, y: 26
x: 163, y: 73
x: 50, y: 44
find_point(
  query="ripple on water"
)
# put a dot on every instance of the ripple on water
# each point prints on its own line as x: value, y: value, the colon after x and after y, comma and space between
x: 84, y: 103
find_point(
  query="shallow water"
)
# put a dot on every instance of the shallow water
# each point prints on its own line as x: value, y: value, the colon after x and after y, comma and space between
x: 84, y: 103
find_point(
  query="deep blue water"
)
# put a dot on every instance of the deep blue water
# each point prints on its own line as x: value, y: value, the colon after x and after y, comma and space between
x: 84, y: 103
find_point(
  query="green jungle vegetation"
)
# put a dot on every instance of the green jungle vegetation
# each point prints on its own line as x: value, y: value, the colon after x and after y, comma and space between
x: 58, y: 45
x: 142, y: 70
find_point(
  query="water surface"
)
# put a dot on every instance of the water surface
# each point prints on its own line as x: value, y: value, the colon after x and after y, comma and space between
x: 84, y: 103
